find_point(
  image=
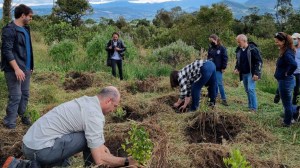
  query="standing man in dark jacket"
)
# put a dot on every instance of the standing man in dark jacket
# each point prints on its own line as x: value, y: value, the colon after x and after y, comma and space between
x: 218, y: 54
x: 248, y: 66
x: 17, y: 64
x: 115, y: 51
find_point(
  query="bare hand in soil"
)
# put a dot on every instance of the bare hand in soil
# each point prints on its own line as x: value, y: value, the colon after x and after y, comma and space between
x: 183, y: 109
x: 133, y: 163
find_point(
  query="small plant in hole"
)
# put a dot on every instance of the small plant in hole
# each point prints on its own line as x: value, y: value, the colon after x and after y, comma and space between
x: 120, y: 113
x: 139, y: 145
x: 236, y: 160
x: 33, y: 115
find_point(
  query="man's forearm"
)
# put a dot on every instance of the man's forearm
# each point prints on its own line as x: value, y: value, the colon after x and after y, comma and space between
x: 14, y: 65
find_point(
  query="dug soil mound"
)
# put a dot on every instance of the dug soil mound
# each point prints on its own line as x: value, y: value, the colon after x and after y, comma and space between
x: 11, y: 142
x: 78, y: 80
x: 210, y: 155
x: 220, y: 128
x: 169, y: 99
x: 116, y: 135
x: 207, y: 155
x: 139, y: 111
x: 151, y: 84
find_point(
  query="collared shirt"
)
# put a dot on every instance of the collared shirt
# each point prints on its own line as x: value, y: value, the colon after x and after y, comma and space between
x: 83, y: 114
x: 187, y: 76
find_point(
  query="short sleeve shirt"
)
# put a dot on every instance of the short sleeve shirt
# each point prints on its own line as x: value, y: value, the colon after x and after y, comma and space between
x: 83, y: 114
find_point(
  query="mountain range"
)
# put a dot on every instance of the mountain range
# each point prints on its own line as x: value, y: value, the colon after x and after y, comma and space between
x: 131, y: 11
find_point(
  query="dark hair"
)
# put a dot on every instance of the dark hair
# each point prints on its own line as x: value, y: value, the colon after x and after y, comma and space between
x: 288, y: 41
x: 115, y: 33
x: 22, y: 9
x: 215, y: 37
x: 174, y: 79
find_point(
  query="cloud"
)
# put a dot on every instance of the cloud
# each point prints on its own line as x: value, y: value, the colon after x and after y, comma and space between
x: 151, y: 1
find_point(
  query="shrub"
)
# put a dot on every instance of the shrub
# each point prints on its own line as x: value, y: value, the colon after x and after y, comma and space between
x: 236, y: 160
x: 267, y: 47
x: 120, y: 113
x: 63, y: 52
x: 60, y: 32
x: 176, y: 53
x: 139, y: 145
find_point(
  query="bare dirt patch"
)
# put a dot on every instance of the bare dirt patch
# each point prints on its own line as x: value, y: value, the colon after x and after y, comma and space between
x: 78, y: 80
x: 11, y: 142
x: 151, y: 84
x: 222, y: 128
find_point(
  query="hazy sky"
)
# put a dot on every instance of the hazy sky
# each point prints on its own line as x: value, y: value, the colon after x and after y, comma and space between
x: 50, y: 2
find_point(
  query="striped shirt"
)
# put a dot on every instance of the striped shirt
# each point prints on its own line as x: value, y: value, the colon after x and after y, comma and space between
x: 187, y: 76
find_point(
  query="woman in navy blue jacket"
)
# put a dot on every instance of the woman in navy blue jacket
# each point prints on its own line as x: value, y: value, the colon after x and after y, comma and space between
x: 218, y: 54
x: 285, y: 67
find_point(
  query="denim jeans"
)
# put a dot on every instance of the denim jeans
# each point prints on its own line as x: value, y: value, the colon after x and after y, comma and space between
x: 18, y: 95
x: 63, y: 148
x: 220, y: 87
x: 118, y: 63
x: 208, y: 78
x: 296, y: 89
x: 249, y: 85
x: 286, y: 87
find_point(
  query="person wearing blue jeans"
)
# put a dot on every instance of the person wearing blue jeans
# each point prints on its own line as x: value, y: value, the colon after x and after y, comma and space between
x: 191, y: 79
x: 285, y: 67
x: 249, y: 85
x: 17, y: 64
x: 217, y: 53
x: 72, y: 127
x: 248, y: 66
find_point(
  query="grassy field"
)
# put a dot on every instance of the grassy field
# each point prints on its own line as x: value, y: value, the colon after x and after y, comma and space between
x: 199, y: 139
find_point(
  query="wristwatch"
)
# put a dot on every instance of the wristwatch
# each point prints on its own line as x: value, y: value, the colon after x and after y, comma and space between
x: 126, y: 162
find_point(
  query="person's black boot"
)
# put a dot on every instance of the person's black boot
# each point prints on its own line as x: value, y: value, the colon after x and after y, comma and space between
x: 26, y: 120
x: 277, y: 98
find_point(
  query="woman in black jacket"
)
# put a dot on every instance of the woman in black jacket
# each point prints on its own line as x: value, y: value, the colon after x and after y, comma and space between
x: 115, y: 50
x: 218, y: 54
x: 285, y: 67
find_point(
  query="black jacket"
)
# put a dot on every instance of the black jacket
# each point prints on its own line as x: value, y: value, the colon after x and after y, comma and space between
x: 254, y: 59
x: 218, y: 54
x: 110, y: 52
x: 14, y: 48
x: 286, y: 65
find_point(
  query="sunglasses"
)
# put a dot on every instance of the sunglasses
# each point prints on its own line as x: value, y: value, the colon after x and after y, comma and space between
x: 280, y: 36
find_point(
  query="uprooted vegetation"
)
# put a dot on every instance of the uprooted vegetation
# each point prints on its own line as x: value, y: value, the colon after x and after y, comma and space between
x: 222, y: 128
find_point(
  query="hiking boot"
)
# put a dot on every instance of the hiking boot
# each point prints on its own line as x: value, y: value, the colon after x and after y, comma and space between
x: 11, y: 162
x: 296, y: 116
x: 224, y: 102
x: 277, y: 98
x: 26, y: 121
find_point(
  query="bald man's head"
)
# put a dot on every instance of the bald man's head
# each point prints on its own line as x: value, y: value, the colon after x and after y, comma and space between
x: 109, y: 99
x: 110, y: 92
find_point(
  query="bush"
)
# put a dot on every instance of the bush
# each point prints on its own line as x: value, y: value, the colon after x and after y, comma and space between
x: 139, y: 145
x: 177, y: 53
x: 60, y: 32
x: 63, y: 53
x: 267, y: 47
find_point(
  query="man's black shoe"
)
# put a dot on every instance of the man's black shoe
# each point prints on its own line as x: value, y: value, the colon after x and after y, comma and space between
x: 277, y: 98
x: 26, y: 121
